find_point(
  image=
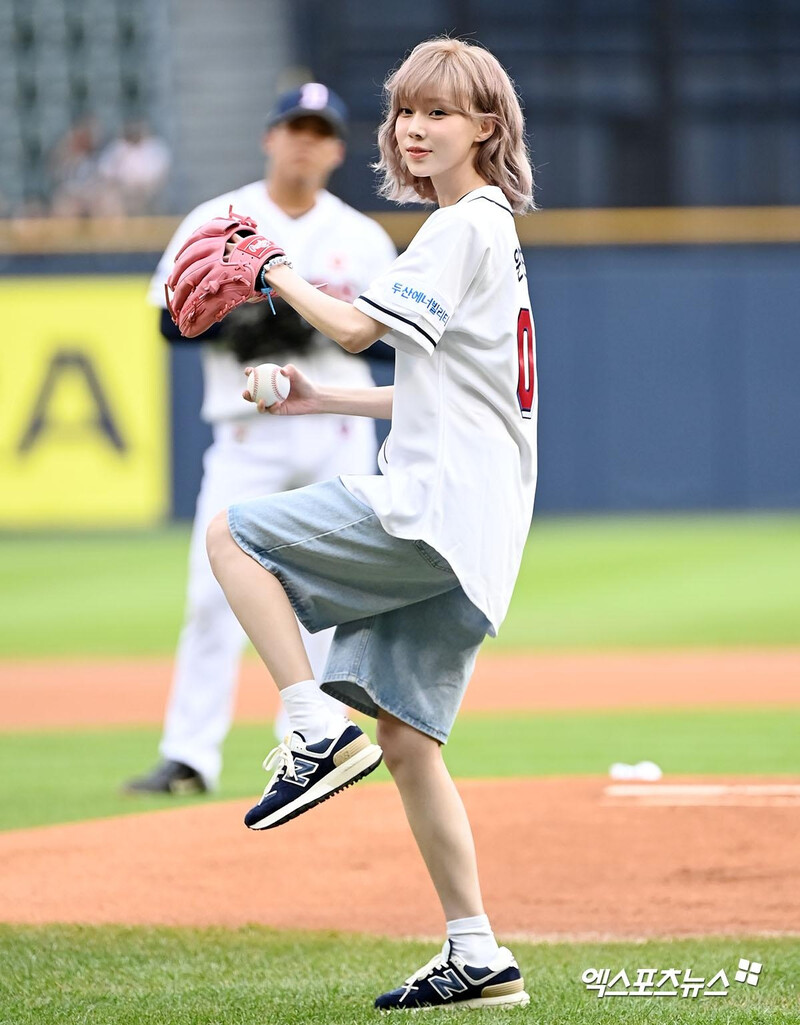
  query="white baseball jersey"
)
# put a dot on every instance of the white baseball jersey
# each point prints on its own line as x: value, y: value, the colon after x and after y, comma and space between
x: 331, y: 245
x: 459, y: 466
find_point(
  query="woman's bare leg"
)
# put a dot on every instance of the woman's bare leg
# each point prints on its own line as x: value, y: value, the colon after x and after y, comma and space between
x: 259, y: 602
x: 436, y: 814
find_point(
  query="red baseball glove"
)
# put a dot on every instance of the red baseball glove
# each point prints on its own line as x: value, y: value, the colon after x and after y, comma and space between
x: 207, y: 283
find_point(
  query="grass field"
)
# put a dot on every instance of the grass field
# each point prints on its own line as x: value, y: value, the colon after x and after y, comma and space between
x: 70, y: 776
x: 619, y: 582
x: 615, y: 583
x: 115, y: 976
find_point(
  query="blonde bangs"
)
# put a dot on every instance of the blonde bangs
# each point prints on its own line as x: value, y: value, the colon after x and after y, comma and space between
x: 428, y: 74
x: 475, y: 84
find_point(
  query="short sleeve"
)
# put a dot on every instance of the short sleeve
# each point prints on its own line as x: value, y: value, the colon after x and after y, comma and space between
x: 418, y: 295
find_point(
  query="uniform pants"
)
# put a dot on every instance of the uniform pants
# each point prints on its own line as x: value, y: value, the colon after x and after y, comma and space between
x: 247, y: 459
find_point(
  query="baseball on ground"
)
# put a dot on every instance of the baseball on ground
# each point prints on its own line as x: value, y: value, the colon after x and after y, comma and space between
x: 268, y: 383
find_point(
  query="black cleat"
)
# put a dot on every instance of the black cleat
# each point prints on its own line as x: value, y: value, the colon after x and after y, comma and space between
x: 167, y: 778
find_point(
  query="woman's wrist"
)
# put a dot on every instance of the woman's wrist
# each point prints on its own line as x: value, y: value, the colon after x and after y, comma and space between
x: 270, y: 270
x: 325, y: 401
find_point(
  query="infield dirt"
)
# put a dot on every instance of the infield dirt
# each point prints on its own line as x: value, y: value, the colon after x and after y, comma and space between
x: 556, y: 860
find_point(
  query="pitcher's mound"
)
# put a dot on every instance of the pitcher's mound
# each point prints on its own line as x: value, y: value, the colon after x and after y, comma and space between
x: 557, y: 858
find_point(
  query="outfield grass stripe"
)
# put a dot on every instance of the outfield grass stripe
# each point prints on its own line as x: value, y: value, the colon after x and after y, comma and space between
x: 69, y: 776
x: 732, y: 742
x: 609, y: 583
x: 658, y: 581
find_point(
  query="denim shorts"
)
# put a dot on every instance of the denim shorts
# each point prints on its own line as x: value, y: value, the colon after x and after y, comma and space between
x: 406, y: 635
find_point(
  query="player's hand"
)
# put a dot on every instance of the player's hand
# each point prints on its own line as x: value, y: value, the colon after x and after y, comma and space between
x: 304, y: 396
x: 232, y: 242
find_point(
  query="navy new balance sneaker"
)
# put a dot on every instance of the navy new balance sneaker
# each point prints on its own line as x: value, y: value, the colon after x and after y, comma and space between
x: 306, y: 774
x: 447, y: 981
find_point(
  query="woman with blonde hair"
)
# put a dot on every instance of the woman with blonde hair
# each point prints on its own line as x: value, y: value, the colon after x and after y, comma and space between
x: 416, y: 565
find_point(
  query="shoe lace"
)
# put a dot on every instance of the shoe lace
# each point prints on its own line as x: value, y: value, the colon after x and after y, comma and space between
x: 280, y: 761
x: 438, y: 961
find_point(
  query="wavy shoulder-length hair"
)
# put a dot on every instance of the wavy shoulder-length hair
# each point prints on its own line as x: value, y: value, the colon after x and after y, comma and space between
x: 477, y: 86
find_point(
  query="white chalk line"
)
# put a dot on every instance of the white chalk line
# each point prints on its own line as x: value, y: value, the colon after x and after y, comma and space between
x: 707, y: 794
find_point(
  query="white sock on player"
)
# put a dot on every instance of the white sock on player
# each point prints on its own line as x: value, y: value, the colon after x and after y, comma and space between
x: 472, y: 939
x: 308, y: 712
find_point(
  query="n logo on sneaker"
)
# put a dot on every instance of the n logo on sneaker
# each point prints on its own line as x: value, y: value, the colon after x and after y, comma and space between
x: 448, y: 984
x: 303, y: 771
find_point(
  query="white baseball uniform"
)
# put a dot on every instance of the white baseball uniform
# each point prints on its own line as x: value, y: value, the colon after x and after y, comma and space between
x: 254, y: 454
x: 459, y: 465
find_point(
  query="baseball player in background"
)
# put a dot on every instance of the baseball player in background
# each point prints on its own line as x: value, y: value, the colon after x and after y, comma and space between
x: 340, y: 250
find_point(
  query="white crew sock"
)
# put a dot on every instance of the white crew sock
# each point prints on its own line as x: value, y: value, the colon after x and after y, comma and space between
x: 336, y: 712
x: 472, y: 939
x: 308, y: 713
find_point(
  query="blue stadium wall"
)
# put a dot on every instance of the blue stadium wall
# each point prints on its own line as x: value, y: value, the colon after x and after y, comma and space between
x: 668, y: 376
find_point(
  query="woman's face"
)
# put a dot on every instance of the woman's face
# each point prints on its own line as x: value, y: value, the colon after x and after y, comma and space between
x: 435, y: 139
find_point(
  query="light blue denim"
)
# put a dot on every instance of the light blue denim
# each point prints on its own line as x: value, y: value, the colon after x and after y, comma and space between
x: 406, y: 635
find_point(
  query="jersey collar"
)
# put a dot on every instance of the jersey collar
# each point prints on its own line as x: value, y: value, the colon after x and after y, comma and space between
x: 493, y: 192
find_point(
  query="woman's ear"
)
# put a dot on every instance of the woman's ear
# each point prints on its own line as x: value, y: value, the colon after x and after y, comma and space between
x: 485, y: 129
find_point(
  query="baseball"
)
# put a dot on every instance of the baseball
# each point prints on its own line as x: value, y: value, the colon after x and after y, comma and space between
x: 268, y: 383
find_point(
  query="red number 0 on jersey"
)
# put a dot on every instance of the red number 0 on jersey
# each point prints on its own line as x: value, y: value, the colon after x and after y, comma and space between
x: 527, y: 370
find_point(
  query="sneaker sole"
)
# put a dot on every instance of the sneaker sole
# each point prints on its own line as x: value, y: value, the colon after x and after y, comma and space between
x: 508, y: 1003
x: 344, y: 776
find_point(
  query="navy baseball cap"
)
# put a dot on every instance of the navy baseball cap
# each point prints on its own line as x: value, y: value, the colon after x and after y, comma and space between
x: 311, y: 99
